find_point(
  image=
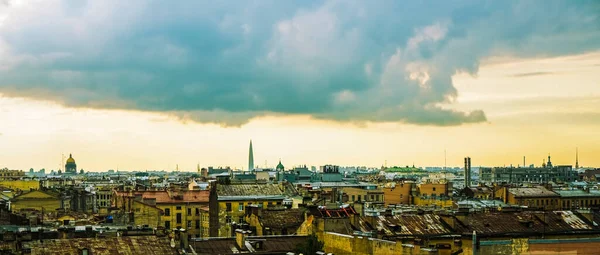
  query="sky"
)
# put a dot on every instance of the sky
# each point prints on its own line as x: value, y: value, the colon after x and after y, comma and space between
x: 142, y: 85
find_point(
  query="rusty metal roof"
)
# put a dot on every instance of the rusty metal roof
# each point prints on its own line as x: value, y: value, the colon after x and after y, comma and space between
x: 498, y: 223
x: 248, y: 191
x: 271, y: 245
x: 130, y: 245
x: 405, y: 225
x: 282, y: 218
x: 532, y: 192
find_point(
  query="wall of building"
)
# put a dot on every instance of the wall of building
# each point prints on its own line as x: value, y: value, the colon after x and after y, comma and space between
x: 234, y: 214
x: 36, y: 200
x: 433, y: 189
x: 144, y: 214
x: 400, y: 194
x: 191, y: 216
x: 346, y: 244
x: 364, y: 194
x: 428, y: 201
x: 25, y: 185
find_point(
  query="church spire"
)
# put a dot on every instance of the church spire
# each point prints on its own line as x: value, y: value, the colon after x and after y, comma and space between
x: 250, y: 158
x: 576, y: 158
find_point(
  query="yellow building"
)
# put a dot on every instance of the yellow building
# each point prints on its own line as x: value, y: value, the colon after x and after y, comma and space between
x: 532, y: 197
x: 5, y: 174
x: 233, y: 199
x: 36, y: 200
x: 169, y: 209
x: 25, y: 185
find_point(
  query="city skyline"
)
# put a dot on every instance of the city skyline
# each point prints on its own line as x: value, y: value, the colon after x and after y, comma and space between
x: 136, y: 85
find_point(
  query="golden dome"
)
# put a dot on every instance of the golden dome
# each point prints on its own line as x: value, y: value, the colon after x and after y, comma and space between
x: 70, y: 160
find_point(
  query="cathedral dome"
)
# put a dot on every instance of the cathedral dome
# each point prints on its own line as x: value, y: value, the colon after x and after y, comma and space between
x: 280, y: 166
x: 70, y: 159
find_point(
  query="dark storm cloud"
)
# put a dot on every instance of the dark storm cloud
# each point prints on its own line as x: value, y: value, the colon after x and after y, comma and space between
x: 228, y: 62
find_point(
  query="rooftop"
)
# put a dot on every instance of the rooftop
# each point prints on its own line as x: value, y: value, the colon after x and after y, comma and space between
x: 249, y: 191
x: 164, y: 197
x: 532, y: 192
x: 405, y: 225
x: 271, y: 244
x: 104, y: 246
x: 578, y: 193
x: 526, y: 222
x: 282, y: 218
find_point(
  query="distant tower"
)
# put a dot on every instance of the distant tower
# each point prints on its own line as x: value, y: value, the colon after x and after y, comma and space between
x: 250, y: 158
x: 576, y: 158
x: 467, y: 172
x: 280, y: 166
x: 70, y: 166
x: 549, y: 164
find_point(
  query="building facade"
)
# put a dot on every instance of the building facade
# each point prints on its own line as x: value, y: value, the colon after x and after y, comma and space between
x: 517, y: 175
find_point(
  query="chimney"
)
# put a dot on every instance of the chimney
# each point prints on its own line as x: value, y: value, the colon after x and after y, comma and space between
x: 240, y: 237
x: 183, y: 238
x: 138, y: 197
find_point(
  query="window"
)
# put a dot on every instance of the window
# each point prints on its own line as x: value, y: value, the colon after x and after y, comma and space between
x: 372, y: 198
x: 241, y: 219
x: 167, y: 224
x: 197, y: 224
x: 178, y: 208
x: 228, y: 207
x: 228, y: 219
x: 359, y: 198
x: 189, y: 224
x: 241, y: 207
x: 353, y: 198
x: 85, y: 251
x: 167, y: 212
x: 433, y: 188
x: 197, y: 211
x: 179, y: 218
x: 189, y: 211
x: 137, y: 209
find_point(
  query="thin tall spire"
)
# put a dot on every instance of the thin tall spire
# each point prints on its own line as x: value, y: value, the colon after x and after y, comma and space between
x: 250, y: 158
x: 576, y: 158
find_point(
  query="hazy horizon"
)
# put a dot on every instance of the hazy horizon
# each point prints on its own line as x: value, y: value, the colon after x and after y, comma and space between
x: 149, y: 85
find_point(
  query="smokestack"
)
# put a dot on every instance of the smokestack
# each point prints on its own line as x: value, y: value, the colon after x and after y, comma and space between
x: 467, y: 172
x: 524, y: 161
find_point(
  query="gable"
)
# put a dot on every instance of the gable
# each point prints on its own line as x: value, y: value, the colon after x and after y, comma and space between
x: 35, y: 194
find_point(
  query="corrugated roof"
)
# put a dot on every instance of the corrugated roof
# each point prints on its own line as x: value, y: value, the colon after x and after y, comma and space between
x: 405, y: 225
x: 532, y: 192
x: 522, y: 223
x: 254, y: 190
x: 163, y: 197
x: 282, y: 218
x: 272, y: 244
x: 130, y: 245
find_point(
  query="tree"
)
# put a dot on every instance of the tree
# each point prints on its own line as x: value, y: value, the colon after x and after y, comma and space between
x: 310, y: 247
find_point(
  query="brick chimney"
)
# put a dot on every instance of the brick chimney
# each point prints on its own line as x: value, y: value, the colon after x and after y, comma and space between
x: 240, y: 237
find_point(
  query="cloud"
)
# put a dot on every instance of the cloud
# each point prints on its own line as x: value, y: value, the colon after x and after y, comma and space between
x: 531, y: 74
x: 226, y: 63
